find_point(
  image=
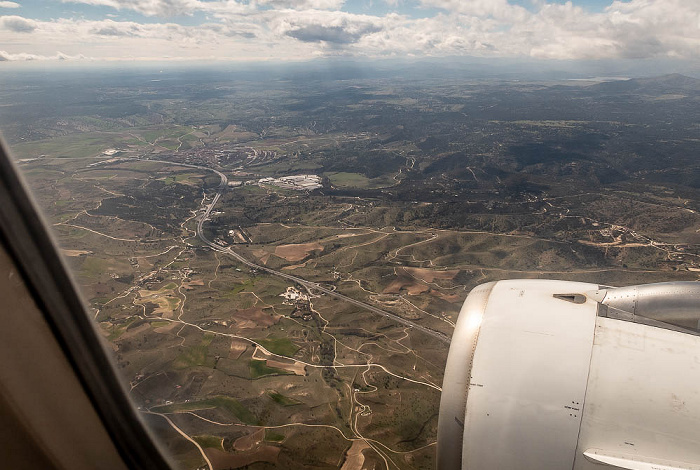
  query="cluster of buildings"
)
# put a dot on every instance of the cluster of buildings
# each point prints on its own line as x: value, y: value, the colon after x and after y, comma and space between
x: 295, y: 182
x: 300, y: 301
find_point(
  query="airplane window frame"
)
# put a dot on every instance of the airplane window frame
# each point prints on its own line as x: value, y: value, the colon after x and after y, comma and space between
x: 25, y: 236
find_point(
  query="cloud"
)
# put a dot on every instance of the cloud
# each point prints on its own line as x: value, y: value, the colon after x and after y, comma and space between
x: 644, y: 28
x: 115, y: 40
x: 336, y: 28
x: 17, y: 24
x: 498, y: 9
x: 634, y: 29
x: 116, y: 29
x: 287, y: 29
x: 233, y: 31
x: 320, y: 33
x: 6, y: 4
x: 171, y: 8
x: 23, y: 56
x: 496, y: 28
x: 164, y: 8
x: 61, y: 56
x: 304, y: 4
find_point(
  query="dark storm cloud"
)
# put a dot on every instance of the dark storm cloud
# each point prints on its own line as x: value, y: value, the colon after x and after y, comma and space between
x: 331, y: 34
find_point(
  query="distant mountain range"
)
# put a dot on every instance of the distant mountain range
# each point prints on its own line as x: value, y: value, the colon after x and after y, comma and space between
x: 653, y: 85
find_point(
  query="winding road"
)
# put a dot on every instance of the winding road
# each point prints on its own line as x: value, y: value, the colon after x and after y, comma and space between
x: 303, y: 282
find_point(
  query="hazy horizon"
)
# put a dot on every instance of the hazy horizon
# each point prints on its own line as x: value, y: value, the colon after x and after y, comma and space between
x: 353, y: 68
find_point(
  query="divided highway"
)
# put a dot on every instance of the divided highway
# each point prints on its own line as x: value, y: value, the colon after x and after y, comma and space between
x: 303, y: 282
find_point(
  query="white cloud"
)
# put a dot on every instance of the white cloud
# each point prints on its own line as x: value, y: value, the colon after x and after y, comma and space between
x: 23, y: 56
x: 498, y: 9
x: 17, y: 24
x: 169, y: 8
x: 6, y: 4
x: 114, y: 40
x: 635, y: 29
x: 117, y: 29
x: 287, y: 29
x: 632, y: 29
x: 304, y: 4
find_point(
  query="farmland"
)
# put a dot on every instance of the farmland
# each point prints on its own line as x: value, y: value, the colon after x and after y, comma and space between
x: 428, y: 188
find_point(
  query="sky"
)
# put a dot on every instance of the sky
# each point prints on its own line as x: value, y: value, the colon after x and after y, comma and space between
x: 297, y: 30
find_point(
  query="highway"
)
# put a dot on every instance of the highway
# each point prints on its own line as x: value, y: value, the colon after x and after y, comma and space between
x: 303, y: 282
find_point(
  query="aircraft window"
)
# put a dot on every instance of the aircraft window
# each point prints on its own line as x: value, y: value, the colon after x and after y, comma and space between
x: 276, y: 249
x: 56, y: 375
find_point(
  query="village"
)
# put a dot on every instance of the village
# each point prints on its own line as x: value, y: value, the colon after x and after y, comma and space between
x: 300, y: 301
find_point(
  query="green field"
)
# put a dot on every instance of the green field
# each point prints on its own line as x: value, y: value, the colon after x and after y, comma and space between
x: 273, y: 436
x: 197, y: 355
x: 281, y: 346
x: 348, y: 180
x: 79, y: 145
x: 208, y: 441
x: 281, y: 399
x: 246, y: 285
x: 260, y: 369
x: 93, y: 266
x: 356, y: 180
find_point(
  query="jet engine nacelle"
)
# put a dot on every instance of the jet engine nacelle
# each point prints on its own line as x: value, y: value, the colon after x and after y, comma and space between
x: 549, y: 375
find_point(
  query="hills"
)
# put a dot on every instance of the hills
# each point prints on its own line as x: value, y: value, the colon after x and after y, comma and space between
x: 672, y: 83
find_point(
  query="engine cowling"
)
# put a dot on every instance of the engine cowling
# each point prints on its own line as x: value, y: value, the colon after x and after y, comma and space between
x: 548, y: 375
